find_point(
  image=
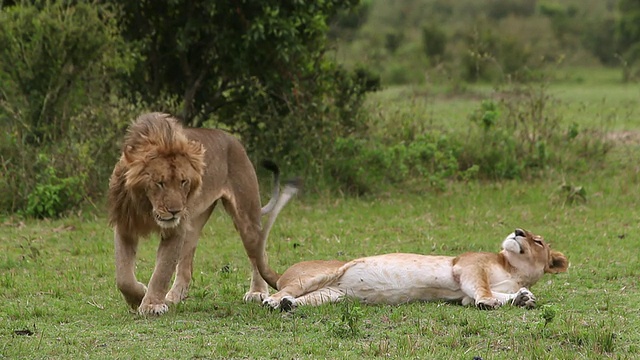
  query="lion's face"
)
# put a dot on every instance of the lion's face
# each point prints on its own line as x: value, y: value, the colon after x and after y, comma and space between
x: 169, y: 182
x: 527, y: 250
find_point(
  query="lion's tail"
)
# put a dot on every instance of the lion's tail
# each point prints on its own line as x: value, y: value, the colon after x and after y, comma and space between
x: 291, y: 188
x: 271, y: 166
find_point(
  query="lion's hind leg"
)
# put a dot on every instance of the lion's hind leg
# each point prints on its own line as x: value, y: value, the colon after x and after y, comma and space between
x: 245, y: 212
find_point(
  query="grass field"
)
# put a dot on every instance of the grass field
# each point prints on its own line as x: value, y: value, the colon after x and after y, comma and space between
x: 58, y: 298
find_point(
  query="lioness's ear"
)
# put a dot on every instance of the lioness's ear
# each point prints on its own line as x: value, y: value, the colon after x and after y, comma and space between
x: 557, y: 262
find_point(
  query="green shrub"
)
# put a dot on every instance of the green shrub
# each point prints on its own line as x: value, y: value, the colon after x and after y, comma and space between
x: 434, y: 41
x: 58, y: 97
x: 362, y: 166
x: 519, y: 136
x: 303, y: 138
x: 492, y: 57
x: 393, y: 40
x: 52, y: 195
x: 599, y: 38
x: 349, y: 324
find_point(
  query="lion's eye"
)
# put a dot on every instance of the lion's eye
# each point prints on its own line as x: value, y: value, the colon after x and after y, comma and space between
x: 184, y: 183
x: 160, y: 184
x: 538, y: 242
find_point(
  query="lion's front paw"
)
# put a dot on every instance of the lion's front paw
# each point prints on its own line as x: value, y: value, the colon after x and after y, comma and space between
x: 152, y: 309
x: 254, y: 296
x: 524, y: 298
x: 488, y: 303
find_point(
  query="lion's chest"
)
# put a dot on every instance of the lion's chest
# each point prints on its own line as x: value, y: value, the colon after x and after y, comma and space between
x: 399, y: 278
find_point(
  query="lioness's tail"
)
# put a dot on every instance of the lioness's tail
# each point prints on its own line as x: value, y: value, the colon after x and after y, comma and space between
x: 275, y: 193
x: 290, y: 189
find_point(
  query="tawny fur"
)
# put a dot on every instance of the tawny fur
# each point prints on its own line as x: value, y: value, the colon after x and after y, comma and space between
x: 487, y: 280
x: 168, y: 181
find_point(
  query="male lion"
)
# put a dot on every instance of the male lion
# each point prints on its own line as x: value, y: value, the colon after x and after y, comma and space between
x: 488, y: 280
x: 168, y: 180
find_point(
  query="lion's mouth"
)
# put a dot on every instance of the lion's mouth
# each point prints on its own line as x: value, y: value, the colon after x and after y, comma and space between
x: 170, y: 222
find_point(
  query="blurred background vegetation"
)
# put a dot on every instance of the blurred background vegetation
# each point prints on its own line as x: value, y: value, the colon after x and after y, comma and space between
x: 297, y: 82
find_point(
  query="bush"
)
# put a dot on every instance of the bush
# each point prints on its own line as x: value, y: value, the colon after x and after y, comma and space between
x: 519, y: 136
x: 490, y: 57
x: 52, y: 195
x: 599, y: 38
x: 56, y: 84
x: 326, y: 107
x: 434, y: 41
x: 393, y: 40
x: 362, y: 166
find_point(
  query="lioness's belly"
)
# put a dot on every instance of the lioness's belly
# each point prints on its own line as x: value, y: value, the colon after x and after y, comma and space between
x: 400, y: 278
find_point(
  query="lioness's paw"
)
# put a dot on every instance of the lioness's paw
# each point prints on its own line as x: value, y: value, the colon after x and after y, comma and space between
x: 288, y: 303
x: 271, y: 303
x: 488, y: 303
x: 524, y: 298
x: 254, y: 296
x: 153, y: 309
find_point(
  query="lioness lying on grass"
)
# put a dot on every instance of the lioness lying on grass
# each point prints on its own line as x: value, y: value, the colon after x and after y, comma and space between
x: 487, y: 280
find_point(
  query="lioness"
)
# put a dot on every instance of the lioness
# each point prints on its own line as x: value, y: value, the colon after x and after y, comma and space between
x: 168, y: 181
x: 488, y: 280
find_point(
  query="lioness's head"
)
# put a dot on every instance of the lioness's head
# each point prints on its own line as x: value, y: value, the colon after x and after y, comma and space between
x: 525, y: 250
x: 163, y: 167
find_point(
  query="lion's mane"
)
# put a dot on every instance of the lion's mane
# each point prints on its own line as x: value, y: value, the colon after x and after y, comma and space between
x: 151, y: 136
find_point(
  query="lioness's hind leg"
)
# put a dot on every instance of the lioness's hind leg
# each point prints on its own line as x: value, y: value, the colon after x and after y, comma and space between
x: 125, y: 253
x: 184, y: 269
x: 290, y: 291
x: 288, y: 303
x: 321, y: 296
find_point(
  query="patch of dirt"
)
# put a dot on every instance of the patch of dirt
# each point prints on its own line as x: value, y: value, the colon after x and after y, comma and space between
x: 625, y: 137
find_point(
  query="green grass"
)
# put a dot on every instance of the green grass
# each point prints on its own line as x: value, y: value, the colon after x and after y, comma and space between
x: 57, y: 277
x: 591, y: 97
x: 57, y: 280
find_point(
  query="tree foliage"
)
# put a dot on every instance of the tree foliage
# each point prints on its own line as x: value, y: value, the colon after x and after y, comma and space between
x: 52, y: 53
x: 214, y: 55
x: 628, y: 35
x: 71, y: 73
x: 57, y: 65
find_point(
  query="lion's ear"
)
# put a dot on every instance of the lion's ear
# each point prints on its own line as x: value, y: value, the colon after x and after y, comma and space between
x: 196, y: 155
x: 128, y: 154
x: 557, y: 262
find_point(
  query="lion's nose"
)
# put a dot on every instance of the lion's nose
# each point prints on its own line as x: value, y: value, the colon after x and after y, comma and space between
x: 173, y: 212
